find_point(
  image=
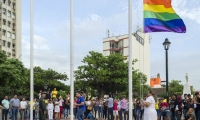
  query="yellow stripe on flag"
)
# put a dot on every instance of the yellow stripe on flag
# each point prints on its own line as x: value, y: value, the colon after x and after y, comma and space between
x: 157, y: 8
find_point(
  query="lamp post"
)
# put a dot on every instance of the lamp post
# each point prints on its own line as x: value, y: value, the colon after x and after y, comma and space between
x: 166, y: 45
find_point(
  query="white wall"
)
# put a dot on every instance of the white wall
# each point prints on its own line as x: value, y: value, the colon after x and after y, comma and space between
x: 140, y: 52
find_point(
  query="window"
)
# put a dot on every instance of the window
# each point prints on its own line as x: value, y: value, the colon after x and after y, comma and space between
x: 8, y: 44
x: 13, y: 36
x: 13, y: 15
x: 4, y: 11
x: 9, y: 34
x: 4, y: 1
x: 9, y: 23
x: 9, y: 2
x: 13, y: 5
x: 4, y: 32
x: 4, y: 22
x: 4, y: 43
x: 13, y: 45
x: 9, y: 13
x: 13, y: 26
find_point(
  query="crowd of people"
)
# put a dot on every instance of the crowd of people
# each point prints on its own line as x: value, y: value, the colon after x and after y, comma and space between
x: 87, y: 107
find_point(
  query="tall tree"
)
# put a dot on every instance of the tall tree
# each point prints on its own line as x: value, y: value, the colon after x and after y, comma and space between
x: 103, y: 73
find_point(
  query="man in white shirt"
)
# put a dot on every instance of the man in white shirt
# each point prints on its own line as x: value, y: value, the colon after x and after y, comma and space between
x: 110, y: 107
x: 23, y: 106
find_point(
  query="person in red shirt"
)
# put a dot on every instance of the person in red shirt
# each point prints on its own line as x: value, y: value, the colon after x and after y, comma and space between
x: 164, y: 108
x: 115, y: 110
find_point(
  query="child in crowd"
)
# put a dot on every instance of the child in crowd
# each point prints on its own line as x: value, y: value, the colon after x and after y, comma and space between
x: 90, y: 116
x: 190, y: 115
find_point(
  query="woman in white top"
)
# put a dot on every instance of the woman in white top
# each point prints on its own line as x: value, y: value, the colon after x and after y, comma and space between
x: 57, y: 108
x: 50, y: 108
x: 149, y: 106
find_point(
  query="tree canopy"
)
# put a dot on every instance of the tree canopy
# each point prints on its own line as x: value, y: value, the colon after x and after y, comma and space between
x: 105, y: 74
x: 15, y: 78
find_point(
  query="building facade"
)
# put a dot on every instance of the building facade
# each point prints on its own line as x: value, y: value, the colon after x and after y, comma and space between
x: 140, y: 50
x: 10, y: 28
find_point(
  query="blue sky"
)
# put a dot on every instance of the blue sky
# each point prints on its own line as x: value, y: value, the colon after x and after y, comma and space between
x: 92, y: 19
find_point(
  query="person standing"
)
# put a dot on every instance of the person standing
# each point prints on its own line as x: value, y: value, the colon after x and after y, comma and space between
x: 185, y: 105
x: 14, y: 103
x: 149, y: 104
x: 50, y: 108
x: 173, y: 103
x: 66, y: 108
x: 61, y: 102
x: 123, y: 108
x: 105, y: 110
x: 42, y: 106
x: 75, y: 107
x: 23, y: 106
x: 96, y: 106
x: 110, y: 107
x: 81, y: 106
x: 115, y: 110
x: 54, y: 94
x: 138, y: 109
x: 5, y: 108
x: 100, y: 111
x: 197, y: 102
x: 57, y: 109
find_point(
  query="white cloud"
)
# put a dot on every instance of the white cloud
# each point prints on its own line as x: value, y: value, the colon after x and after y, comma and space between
x: 95, y: 17
x: 182, y: 8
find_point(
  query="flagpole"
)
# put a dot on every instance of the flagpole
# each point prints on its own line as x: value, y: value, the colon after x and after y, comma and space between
x: 71, y: 58
x: 31, y: 57
x: 130, y: 58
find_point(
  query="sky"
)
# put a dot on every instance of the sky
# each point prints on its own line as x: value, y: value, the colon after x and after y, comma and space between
x: 91, y: 20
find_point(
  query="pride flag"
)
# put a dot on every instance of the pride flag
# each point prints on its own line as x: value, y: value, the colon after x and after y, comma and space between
x: 159, y: 16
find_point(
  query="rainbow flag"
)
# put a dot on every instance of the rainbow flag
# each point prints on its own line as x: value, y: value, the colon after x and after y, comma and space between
x: 159, y: 16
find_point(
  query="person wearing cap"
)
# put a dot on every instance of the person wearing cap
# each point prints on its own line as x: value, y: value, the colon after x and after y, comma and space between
x: 164, y: 108
x: 42, y: 106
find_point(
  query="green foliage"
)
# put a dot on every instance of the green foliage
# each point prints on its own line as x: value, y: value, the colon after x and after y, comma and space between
x: 175, y: 87
x: 15, y: 78
x: 105, y: 74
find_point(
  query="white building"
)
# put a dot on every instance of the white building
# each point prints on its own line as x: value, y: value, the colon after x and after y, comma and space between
x: 140, y: 49
x: 10, y: 28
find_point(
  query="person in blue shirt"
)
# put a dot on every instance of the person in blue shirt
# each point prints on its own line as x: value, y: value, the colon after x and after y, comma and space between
x: 81, y: 106
x: 90, y: 116
x: 5, y: 108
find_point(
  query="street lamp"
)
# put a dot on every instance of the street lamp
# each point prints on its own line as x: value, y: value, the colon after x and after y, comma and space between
x: 166, y: 45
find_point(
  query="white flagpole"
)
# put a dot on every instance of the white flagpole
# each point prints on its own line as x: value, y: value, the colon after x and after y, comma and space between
x: 71, y: 58
x: 31, y: 57
x: 130, y: 58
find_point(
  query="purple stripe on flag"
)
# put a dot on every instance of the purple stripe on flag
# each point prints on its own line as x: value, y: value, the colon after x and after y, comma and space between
x: 148, y: 29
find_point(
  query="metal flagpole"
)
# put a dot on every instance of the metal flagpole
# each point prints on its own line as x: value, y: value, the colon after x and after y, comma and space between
x: 31, y: 57
x: 71, y: 58
x: 130, y: 58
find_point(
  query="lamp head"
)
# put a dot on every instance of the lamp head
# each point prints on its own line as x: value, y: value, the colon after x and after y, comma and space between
x: 166, y: 44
